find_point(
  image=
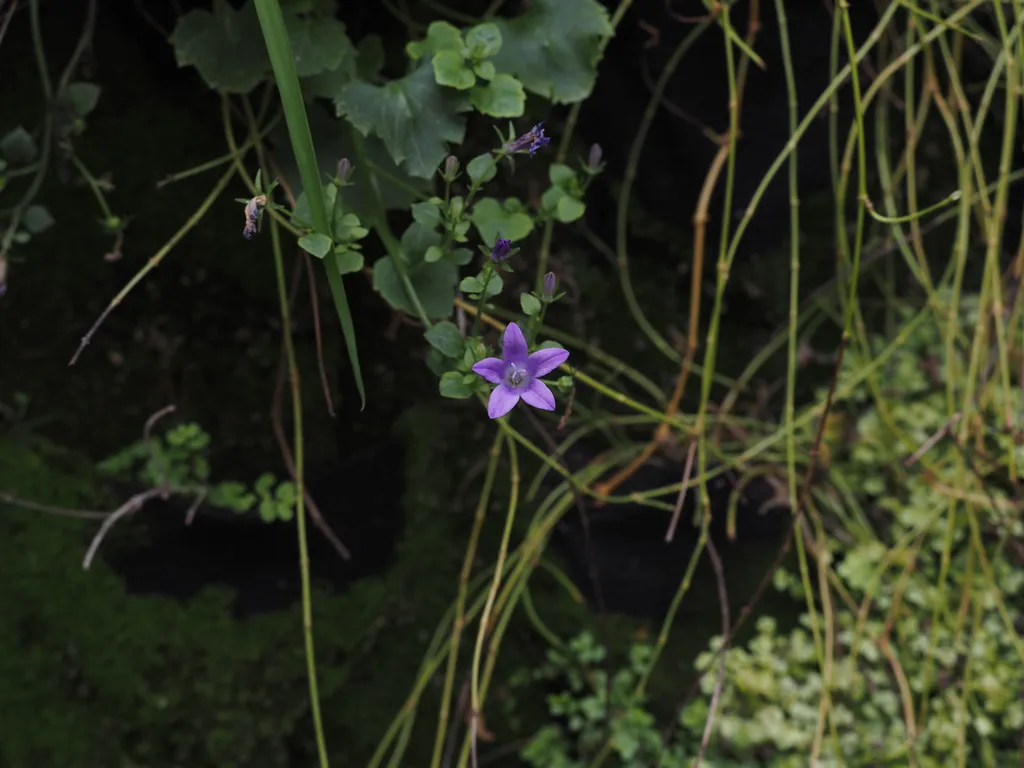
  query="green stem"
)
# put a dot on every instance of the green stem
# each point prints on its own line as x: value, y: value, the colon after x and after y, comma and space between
x: 300, y: 512
x: 460, y: 601
x: 485, y: 617
x: 282, y: 61
x: 93, y: 184
x: 488, y: 271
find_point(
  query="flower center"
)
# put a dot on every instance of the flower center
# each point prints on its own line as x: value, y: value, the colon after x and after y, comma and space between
x: 516, y: 376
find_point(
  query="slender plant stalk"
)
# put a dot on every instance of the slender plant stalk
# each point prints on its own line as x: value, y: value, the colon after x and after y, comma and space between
x: 460, y: 601
x: 279, y: 50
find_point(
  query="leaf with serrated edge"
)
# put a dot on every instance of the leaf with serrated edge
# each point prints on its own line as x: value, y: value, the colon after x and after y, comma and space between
x: 554, y: 47
x: 416, y: 117
x: 225, y: 45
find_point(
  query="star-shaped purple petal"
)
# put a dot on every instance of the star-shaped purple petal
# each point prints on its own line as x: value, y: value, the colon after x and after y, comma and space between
x: 517, y: 374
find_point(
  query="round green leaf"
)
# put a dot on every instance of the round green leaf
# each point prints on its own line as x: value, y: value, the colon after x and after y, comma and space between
x: 268, y: 511
x: 450, y: 69
x: 316, y: 244
x: 471, y: 285
x: 18, y: 146
x: 350, y: 261
x: 37, y: 219
x: 561, y: 175
x: 445, y: 338
x: 494, y: 285
x: 427, y: 213
x: 492, y: 219
x: 442, y: 36
x: 433, y: 253
x: 483, y: 40
x: 530, y: 304
x: 502, y: 97
x: 81, y: 97
x: 451, y: 386
x: 484, y: 70
x: 569, y: 209
x: 482, y: 168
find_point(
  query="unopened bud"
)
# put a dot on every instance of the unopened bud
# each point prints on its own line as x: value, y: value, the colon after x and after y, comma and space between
x: 501, y: 250
x: 549, y: 285
x: 594, y: 158
x: 344, y: 170
x: 451, y: 168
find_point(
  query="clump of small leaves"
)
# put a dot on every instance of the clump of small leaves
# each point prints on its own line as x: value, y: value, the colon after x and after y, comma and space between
x: 177, y: 460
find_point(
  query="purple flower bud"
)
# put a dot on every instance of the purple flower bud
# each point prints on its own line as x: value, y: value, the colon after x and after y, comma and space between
x: 549, y: 285
x: 451, y: 168
x: 502, y: 248
x: 594, y: 158
x: 344, y: 169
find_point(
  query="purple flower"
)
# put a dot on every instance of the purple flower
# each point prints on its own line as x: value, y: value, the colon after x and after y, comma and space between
x: 518, y: 373
x: 502, y: 248
x: 533, y: 140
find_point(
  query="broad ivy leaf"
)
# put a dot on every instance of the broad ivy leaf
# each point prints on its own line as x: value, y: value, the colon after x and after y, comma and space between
x: 333, y: 141
x: 414, y: 116
x: 554, y: 47
x: 492, y: 219
x: 371, y: 57
x: 37, y: 219
x: 330, y: 82
x: 434, y: 284
x: 18, y: 146
x: 318, y: 44
x: 502, y: 97
x: 225, y: 45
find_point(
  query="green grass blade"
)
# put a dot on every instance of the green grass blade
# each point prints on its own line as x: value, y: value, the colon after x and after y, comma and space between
x: 280, y: 52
